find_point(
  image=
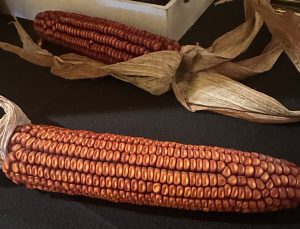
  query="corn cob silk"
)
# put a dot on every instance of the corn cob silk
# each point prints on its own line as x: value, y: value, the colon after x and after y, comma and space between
x: 148, y: 172
x: 104, y: 40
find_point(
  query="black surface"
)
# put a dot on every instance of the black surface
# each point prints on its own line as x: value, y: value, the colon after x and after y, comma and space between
x: 109, y: 105
x: 157, y: 2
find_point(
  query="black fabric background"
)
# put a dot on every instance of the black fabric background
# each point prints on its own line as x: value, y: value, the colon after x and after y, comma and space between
x: 109, y: 105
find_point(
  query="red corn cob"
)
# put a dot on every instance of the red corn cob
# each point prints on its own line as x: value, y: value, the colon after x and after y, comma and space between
x: 147, y: 172
x: 100, y: 39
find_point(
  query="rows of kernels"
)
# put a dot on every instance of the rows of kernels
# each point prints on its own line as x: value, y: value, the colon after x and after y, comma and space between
x: 127, y: 164
x: 99, y: 38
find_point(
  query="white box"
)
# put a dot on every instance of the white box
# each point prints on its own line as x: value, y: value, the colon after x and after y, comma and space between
x: 171, y: 20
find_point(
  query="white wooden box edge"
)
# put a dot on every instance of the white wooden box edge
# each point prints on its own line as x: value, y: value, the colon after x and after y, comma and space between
x: 171, y: 20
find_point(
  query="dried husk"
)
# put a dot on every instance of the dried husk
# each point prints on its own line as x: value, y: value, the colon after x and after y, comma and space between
x: 202, y: 79
x: 12, y: 118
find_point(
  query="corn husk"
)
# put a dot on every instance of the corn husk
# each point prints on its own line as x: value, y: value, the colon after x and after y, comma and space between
x: 201, y: 78
x: 282, y: 6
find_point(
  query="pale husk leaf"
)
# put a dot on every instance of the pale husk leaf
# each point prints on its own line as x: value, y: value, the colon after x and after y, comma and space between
x: 202, y: 81
x: 214, y: 92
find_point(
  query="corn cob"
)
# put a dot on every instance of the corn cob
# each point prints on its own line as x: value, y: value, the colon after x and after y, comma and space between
x: 100, y: 39
x: 147, y: 172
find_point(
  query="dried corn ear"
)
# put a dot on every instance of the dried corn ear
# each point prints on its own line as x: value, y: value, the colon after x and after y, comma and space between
x: 147, y: 172
x: 100, y: 39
